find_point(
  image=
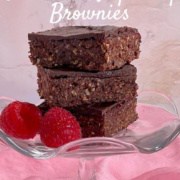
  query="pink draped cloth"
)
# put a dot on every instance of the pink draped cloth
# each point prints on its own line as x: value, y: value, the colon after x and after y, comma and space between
x: 163, y: 165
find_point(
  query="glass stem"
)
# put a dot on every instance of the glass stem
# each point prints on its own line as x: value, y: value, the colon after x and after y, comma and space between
x: 87, y: 169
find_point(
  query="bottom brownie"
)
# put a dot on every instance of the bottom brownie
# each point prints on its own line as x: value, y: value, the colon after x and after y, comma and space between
x: 103, y: 119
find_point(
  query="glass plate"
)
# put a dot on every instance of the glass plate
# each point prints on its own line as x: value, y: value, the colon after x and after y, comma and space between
x: 156, y: 127
x: 154, y: 110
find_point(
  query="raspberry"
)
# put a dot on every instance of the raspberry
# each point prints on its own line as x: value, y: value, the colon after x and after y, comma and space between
x: 59, y: 127
x: 20, y: 120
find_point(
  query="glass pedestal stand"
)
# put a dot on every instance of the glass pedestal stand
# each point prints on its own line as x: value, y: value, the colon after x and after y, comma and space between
x: 151, y: 106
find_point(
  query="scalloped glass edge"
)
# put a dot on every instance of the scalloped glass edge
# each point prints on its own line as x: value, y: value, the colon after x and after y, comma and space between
x: 97, y: 146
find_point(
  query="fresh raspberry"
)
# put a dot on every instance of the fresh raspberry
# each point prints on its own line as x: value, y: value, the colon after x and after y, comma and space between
x: 59, y: 127
x: 20, y: 120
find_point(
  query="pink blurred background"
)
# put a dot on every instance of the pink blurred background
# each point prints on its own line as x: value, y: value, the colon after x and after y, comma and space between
x: 158, y: 66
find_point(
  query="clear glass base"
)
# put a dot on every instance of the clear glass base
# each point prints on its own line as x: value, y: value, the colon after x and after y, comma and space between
x: 87, y: 169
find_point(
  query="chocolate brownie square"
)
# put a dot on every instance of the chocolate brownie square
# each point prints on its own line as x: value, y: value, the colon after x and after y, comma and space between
x: 104, y: 119
x: 91, y: 48
x: 66, y: 88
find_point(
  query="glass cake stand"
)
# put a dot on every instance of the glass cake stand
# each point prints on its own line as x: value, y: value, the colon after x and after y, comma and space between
x: 157, y: 126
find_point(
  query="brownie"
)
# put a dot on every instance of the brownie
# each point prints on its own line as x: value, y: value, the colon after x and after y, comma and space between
x: 103, y: 119
x: 62, y: 87
x: 91, y: 48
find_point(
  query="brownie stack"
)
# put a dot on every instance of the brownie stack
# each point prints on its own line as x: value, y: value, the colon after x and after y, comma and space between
x: 87, y: 71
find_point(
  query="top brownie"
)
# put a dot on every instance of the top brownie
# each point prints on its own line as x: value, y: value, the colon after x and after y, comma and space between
x: 91, y: 48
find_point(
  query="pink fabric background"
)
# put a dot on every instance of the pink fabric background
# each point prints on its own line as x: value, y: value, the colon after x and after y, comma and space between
x: 160, y: 166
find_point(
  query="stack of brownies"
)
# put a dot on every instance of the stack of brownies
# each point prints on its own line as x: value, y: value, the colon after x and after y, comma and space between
x: 87, y: 71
